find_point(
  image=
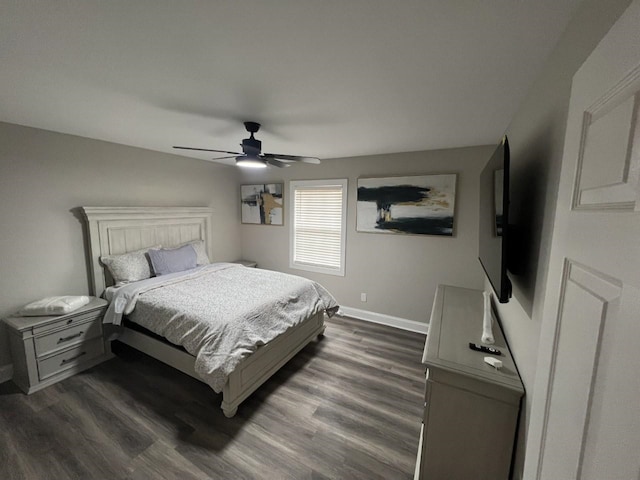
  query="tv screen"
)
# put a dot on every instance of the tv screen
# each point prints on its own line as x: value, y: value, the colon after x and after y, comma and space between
x: 494, y: 221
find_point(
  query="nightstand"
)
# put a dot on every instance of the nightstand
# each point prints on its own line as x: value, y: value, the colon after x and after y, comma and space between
x: 46, y: 350
x: 247, y: 263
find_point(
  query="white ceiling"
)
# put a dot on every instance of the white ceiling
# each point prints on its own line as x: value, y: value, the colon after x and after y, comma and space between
x: 328, y: 78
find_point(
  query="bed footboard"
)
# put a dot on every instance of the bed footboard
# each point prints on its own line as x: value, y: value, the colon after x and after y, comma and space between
x: 254, y: 370
x: 250, y: 373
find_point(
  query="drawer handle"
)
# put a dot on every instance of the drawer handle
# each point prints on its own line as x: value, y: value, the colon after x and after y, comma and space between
x: 67, y: 360
x: 70, y: 337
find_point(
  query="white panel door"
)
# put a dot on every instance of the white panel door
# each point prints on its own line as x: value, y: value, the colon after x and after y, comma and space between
x: 585, y: 419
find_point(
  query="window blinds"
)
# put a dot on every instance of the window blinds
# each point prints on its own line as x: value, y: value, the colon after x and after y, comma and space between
x: 318, y: 226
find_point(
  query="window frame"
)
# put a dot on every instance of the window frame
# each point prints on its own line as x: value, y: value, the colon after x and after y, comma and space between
x: 301, y: 184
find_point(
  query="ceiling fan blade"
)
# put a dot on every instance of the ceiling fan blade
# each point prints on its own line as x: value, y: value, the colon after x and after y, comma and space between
x: 208, y: 150
x: 276, y: 163
x: 292, y: 158
x: 223, y: 158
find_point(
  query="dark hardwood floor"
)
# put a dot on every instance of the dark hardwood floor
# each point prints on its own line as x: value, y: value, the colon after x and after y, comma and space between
x: 347, y: 406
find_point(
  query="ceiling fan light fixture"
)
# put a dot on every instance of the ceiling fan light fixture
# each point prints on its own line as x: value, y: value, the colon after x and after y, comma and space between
x: 250, y: 161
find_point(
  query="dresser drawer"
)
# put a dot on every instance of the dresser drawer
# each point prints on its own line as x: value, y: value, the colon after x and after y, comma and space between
x: 60, y: 339
x: 70, y: 321
x: 70, y: 358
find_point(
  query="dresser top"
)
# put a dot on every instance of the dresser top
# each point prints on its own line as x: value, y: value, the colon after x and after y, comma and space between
x: 456, y: 320
x: 24, y: 323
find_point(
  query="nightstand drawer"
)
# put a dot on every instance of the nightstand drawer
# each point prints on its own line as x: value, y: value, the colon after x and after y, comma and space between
x: 70, y: 358
x: 69, y: 336
x: 69, y: 321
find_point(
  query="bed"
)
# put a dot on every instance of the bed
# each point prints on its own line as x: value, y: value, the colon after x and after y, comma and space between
x: 114, y: 231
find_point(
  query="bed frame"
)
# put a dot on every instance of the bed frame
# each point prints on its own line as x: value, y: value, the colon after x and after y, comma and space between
x: 117, y: 230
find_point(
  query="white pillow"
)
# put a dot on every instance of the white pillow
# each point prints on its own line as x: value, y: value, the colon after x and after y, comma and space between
x: 54, y: 306
x: 201, y: 252
x: 129, y: 267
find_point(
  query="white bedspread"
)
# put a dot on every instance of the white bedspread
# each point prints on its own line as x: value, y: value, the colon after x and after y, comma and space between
x: 220, y: 313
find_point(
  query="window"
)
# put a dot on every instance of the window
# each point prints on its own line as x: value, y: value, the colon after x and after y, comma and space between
x: 318, y: 225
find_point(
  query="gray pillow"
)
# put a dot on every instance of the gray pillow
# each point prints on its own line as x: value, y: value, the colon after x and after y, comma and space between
x: 173, y: 260
x: 129, y: 267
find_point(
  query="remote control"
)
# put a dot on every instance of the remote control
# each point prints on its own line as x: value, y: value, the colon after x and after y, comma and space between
x: 483, y: 349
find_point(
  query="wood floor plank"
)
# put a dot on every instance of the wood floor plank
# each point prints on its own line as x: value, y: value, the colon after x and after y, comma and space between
x: 162, y: 462
x: 347, y: 406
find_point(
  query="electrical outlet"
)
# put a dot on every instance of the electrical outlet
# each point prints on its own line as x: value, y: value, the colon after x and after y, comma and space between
x: 363, y: 297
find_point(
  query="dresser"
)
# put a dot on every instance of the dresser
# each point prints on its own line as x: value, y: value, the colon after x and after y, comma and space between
x: 471, y: 409
x: 48, y: 349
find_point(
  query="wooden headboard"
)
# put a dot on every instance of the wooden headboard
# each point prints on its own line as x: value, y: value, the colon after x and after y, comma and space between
x: 116, y: 230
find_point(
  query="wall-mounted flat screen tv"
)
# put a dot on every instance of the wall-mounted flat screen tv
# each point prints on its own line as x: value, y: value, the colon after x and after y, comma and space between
x: 493, y: 239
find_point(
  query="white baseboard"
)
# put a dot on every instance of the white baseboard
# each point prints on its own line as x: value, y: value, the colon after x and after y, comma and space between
x: 6, y: 373
x: 389, y: 320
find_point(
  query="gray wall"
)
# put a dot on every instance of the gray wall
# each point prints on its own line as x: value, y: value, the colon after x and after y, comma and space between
x: 536, y: 135
x: 44, y: 175
x: 399, y: 273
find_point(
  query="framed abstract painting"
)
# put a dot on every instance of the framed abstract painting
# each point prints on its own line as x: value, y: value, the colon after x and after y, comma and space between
x: 415, y: 205
x: 262, y: 204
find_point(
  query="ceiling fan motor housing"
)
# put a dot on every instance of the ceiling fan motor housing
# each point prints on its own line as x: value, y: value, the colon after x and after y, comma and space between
x: 251, y: 146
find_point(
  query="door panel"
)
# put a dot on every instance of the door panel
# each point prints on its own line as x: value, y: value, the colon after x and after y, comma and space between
x: 613, y: 435
x: 589, y: 302
x: 610, y: 131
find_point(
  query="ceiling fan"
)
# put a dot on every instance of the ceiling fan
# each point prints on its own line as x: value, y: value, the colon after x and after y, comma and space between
x: 252, y: 156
